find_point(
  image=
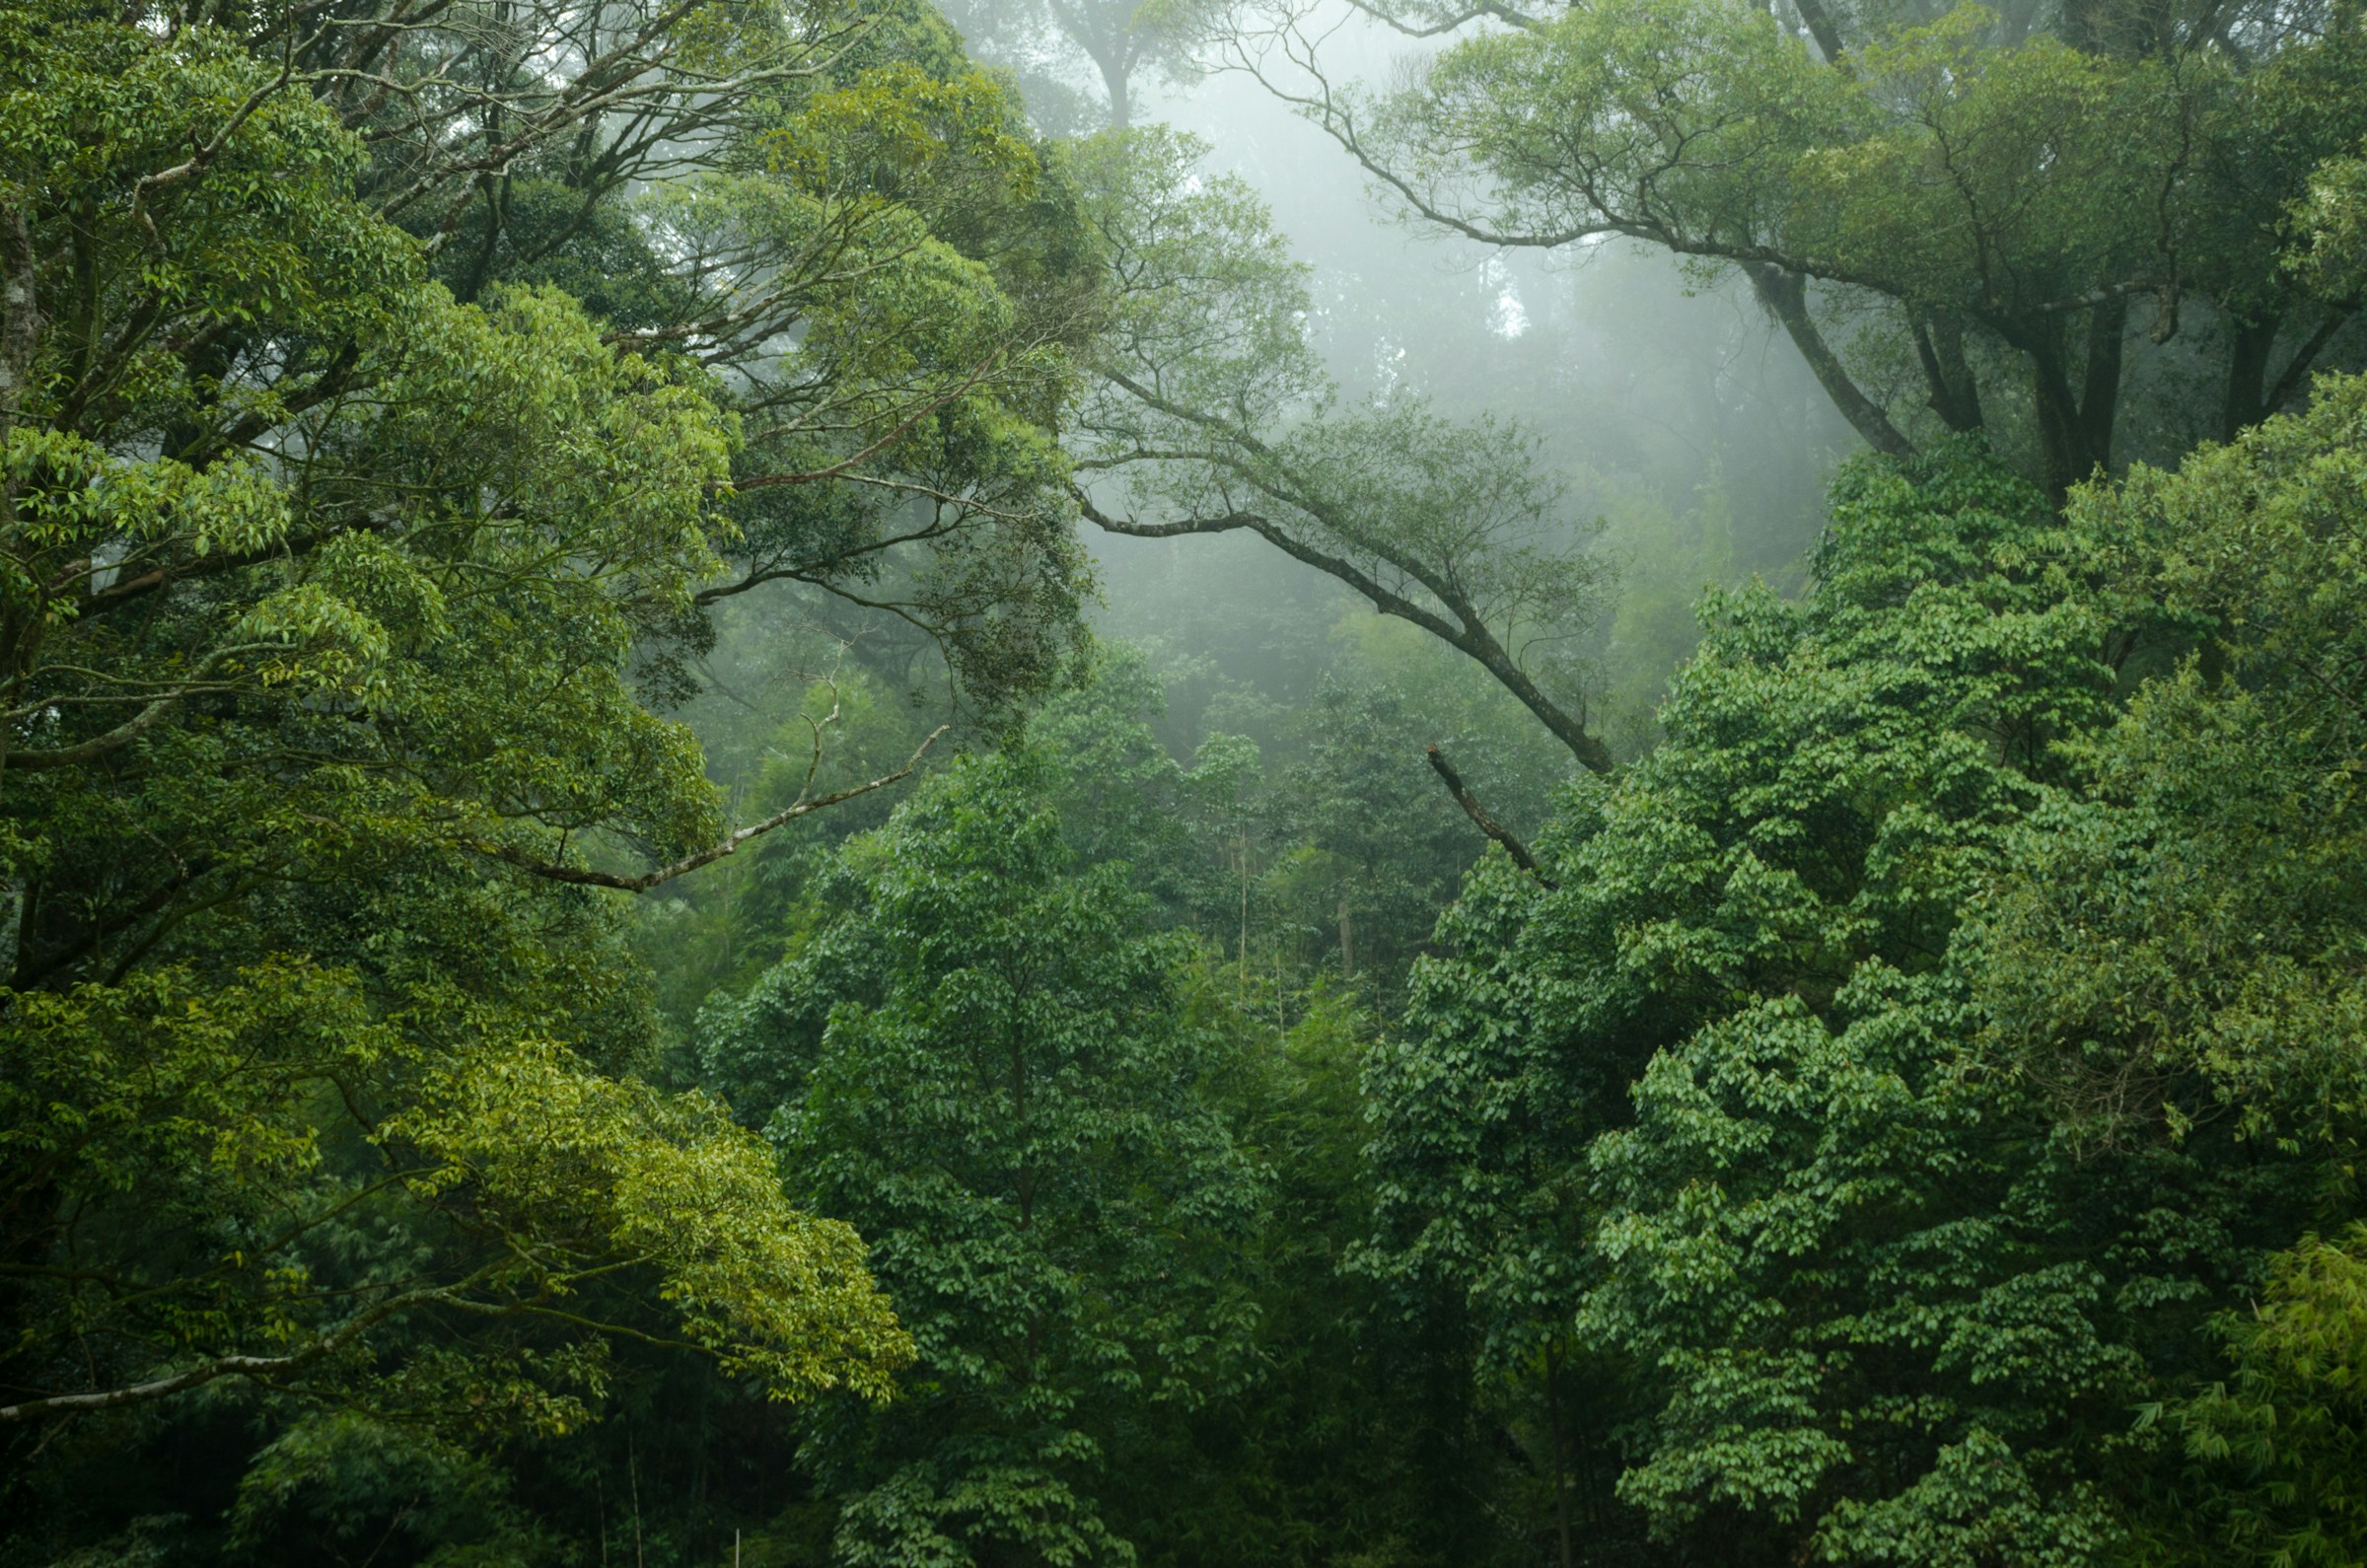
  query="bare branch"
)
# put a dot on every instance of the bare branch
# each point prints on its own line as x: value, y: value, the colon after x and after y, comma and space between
x: 1486, y: 824
x: 257, y: 1367
x: 583, y: 878
x: 1467, y: 633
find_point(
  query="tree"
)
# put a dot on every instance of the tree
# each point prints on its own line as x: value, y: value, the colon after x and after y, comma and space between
x: 984, y: 1061
x: 345, y: 565
x: 1992, y: 201
x: 254, y: 690
x: 1753, y: 1101
x: 1207, y: 406
x: 2176, y: 960
x: 1120, y: 39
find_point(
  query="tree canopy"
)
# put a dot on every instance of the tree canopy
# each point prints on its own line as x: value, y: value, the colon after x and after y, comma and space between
x: 758, y: 797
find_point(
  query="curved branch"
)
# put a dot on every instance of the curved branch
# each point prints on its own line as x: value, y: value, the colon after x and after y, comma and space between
x: 1785, y: 295
x: 837, y: 469
x: 583, y: 878
x: 98, y: 746
x: 1468, y: 634
x: 2297, y: 369
x: 259, y: 1367
x: 140, y: 723
x: 1479, y: 10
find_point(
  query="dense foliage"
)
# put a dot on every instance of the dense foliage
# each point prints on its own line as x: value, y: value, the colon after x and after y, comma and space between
x: 497, y: 1065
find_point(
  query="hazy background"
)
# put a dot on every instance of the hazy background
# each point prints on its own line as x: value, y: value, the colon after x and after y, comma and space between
x: 1686, y: 428
x: 1694, y: 446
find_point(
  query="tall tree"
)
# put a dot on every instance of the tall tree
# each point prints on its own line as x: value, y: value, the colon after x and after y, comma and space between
x: 1117, y: 40
x: 345, y: 564
x: 986, y: 1064
x: 1996, y: 200
x: 1858, y: 1087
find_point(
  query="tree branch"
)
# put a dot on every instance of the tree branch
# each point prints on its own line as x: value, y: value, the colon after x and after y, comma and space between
x: 97, y: 746
x: 1486, y: 824
x: 1467, y: 634
x: 2297, y: 369
x: 816, y: 476
x: 220, y: 1367
x: 584, y: 877
x: 1785, y: 295
x: 1820, y: 27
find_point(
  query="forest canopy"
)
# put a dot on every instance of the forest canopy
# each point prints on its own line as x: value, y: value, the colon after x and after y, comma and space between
x: 812, y: 783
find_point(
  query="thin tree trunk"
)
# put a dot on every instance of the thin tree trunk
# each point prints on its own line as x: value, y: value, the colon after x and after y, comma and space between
x: 632, y: 1476
x: 1241, y: 987
x: 1562, y: 1488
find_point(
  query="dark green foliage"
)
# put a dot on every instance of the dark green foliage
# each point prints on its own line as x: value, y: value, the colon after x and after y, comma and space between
x: 1007, y: 1096
x: 1923, y: 1041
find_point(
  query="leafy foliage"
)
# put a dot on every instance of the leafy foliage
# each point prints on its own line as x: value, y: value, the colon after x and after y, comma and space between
x: 988, y: 1073
x: 344, y: 562
x: 1991, y: 194
x: 452, y: 457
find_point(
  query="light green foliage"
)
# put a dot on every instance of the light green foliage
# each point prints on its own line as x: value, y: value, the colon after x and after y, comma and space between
x: 895, y: 295
x: 986, y: 1066
x: 598, y: 1169
x: 2183, y: 947
x: 231, y: 1114
x: 1893, y: 1121
x: 2332, y: 220
x: 328, y: 607
x: 1207, y: 298
x: 2056, y: 157
x: 1739, y: 102
x: 2278, y: 1452
x: 2177, y: 961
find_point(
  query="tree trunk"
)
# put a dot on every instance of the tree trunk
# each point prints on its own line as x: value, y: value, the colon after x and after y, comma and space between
x: 1954, y: 395
x: 1116, y: 77
x: 1785, y: 295
x: 2062, y: 443
x: 1561, y: 1487
x: 2099, y: 397
x: 1818, y: 23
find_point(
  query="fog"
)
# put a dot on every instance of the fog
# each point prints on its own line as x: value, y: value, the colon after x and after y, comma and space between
x: 1691, y: 443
